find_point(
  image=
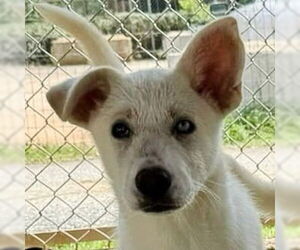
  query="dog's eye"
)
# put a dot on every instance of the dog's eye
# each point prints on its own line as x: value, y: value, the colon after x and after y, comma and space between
x: 120, y: 130
x: 184, y: 127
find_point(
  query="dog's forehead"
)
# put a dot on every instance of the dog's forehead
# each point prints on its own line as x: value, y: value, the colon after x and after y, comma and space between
x: 151, y: 87
x: 148, y: 79
x: 152, y: 98
x: 149, y: 92
x: 155, y: 95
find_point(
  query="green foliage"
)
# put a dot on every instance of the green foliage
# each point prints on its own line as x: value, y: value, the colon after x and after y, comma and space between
x: 91, y: 245
x: 268, y: 232
x: 41, y: 29
x: 138, y: 25
x: 46, y: 153
x: 196, y: 11
x: 255, y: 126
x: 245, y: 1
x: 40, y: 32
x: 82, y: 7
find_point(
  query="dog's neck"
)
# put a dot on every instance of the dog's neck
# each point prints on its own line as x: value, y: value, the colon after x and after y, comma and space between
x: 166, y: 229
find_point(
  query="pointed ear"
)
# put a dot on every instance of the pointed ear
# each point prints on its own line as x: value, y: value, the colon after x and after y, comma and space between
x: 213, y: 63
x: 76, y: 100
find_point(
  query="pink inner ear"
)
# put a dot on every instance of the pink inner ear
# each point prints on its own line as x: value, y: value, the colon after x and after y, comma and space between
x: 214, y: 61
x: 214, y: 64
x: 88, y: 103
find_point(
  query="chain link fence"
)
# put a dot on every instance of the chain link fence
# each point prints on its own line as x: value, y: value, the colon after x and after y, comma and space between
x: 68, y: 197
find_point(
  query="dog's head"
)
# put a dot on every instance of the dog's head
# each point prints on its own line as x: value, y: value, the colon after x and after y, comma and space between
x: 157, y: 131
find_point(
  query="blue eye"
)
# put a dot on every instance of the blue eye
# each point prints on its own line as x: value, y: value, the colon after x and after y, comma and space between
x: 120, y: 130
x: 184, y: 127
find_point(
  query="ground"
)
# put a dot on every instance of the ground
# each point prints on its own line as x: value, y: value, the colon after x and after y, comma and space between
x: 74, y: 180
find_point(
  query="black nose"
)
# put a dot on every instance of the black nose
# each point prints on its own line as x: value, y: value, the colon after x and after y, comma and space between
x: 153, y: 182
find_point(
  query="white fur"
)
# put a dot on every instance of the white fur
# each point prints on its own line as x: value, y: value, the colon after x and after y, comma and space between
x: 217, y: 211
x: 222, y: 218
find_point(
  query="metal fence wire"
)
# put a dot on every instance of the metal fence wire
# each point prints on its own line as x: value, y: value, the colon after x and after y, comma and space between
x: 66, y: 187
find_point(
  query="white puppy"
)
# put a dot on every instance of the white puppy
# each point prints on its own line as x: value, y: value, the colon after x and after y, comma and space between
x: 158, y: 134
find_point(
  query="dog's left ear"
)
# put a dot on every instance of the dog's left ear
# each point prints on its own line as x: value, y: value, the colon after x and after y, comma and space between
x: 75, y: 100
x: 213, y: 63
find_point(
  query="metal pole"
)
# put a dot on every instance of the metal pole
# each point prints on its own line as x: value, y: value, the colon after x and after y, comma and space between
x: 130, y: 5
x: 149, y: 4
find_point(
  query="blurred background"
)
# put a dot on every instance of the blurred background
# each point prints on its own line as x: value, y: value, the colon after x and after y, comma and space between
x: 288, y: 124
x: 12, y: 104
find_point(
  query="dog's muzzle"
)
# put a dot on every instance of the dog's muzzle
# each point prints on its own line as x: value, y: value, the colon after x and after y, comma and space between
x: 154, y: 185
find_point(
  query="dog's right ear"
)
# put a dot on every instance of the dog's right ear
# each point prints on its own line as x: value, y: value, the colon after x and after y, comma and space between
x: 75, y: 100
x: 214, y: 62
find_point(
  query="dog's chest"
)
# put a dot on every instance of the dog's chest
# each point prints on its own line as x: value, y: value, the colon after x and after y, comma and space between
x: 184, y: 233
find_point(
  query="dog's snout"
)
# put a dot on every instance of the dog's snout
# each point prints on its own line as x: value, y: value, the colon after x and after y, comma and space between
x: 153, y: 182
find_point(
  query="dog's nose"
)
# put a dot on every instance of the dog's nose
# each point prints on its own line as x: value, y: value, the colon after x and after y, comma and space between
x: 153, y: 182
